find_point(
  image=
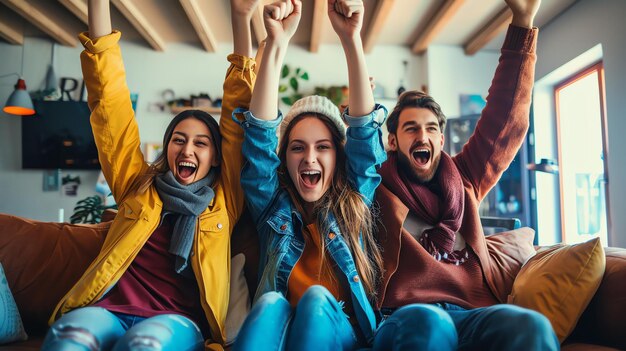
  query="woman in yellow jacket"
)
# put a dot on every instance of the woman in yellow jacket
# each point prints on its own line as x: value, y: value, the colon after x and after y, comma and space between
x: 161, y: 280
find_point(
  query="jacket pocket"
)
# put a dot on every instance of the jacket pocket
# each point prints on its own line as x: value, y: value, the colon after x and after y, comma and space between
x: 214, y: 223
x: 280, y: 224
x: 131, y: 209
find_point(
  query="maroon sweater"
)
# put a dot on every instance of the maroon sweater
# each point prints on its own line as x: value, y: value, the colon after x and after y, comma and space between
x: 151, y: 286
x: 411, y: 275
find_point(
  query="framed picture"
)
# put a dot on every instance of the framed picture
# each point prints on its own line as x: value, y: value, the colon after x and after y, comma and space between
x: 152, y: 151
x: 471, y: 104
x: 51, y: 180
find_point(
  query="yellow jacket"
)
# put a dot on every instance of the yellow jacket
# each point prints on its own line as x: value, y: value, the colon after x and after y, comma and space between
x: 117, y: 138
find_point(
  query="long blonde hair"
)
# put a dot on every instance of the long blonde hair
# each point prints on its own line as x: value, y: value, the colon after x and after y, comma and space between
x: 353, y: 216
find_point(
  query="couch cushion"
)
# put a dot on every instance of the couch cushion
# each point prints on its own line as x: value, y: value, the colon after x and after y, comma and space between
x: 604, y: 321
x: 11, y: 328
x: 42, y: 262
x: 32, y: 344
x: 586, y: 347
x: 508, y: 251
x: 559, y: 282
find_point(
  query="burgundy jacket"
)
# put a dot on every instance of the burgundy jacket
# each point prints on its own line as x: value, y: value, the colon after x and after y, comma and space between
x: 498, y: 136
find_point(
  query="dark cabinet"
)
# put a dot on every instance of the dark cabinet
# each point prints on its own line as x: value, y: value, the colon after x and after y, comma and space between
x: 510, y: 196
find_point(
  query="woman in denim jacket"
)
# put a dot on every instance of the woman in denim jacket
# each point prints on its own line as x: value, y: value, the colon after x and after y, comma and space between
x: 317, y: 189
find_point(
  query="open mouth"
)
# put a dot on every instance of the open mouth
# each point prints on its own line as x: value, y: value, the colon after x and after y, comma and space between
x: 186, y: 169
x: 421, y: 155
x: 310, y: 178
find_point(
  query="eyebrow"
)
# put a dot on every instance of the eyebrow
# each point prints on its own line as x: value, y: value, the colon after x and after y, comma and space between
x: 304, y: 142
x: 413, y: 123
x: 197, y: 135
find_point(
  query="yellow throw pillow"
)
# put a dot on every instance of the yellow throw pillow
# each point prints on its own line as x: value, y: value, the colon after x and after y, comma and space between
x: 559, y: 281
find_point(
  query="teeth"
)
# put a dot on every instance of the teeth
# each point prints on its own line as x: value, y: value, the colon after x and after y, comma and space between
x: 311, y: 172
x: 186, y: 164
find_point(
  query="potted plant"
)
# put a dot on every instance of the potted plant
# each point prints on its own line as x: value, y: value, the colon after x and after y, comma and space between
x: 89, y: 210
x: 290, y: 81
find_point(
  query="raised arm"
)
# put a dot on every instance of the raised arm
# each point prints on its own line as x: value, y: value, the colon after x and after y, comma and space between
x: 238, y: 84
x: 364, y: 147
x: 258, y: 176
x: 112, y: 117
x: 281, y: 21
x: 346, y: 17
x: 502, y: 127
x: 241, y: 13
x: 99, y: 16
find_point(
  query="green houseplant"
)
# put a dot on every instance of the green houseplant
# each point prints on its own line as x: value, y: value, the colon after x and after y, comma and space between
x: 336, y: 94
x: 89, y: 210
x: 290, y: 84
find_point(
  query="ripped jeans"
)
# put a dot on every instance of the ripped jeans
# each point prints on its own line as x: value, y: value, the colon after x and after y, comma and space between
x: 95, y: 328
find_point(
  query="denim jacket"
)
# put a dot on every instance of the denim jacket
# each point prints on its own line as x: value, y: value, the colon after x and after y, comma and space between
x: 279, y: 224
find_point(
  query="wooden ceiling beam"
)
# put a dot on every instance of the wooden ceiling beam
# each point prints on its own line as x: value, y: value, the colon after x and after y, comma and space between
x: 437, y: 22
x: 379, y: 18
x: 9, y: 34
x: 200, y: 24
x: 78, y: 8
x: 257, y: 23
x: 490, y: 30
x: 141, y: 23
x: 41, y: 21
x: 320, y: 9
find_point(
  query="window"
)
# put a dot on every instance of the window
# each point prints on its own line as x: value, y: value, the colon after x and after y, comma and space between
x: 581, y: 143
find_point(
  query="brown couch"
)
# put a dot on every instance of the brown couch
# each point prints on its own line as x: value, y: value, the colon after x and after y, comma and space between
x: 43, y: 260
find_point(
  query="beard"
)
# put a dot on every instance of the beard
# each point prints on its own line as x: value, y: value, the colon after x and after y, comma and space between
x: 421, y: 176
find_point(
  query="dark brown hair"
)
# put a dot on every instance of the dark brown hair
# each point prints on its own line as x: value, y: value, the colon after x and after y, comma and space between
x: 160, y: 165
x: 414, y: 98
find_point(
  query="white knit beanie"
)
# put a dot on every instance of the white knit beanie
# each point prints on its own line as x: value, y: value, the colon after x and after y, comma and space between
x: 315, y: 104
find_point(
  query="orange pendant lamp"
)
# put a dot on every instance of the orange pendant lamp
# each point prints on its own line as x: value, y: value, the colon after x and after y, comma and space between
x: 19, y: 102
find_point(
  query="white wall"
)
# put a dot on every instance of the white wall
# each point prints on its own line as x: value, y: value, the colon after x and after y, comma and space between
x: 21, y: 190
x: 185, y: 69
x: 451, y: 73
x: 583, y: 26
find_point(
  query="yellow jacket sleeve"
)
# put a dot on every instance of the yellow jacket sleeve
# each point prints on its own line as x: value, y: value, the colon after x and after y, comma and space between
x: 112, y: 117
x: 238, y: 85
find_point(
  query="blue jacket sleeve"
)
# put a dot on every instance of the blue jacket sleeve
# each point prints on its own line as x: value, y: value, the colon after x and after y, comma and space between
x: 259, y: 178
x: 365, y: 151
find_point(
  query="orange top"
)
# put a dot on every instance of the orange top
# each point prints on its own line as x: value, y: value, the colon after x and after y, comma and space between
x: 308, y: 271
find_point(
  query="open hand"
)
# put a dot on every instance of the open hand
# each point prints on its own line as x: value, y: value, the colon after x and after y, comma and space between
x: 281, y: 19
x: 346, y: 16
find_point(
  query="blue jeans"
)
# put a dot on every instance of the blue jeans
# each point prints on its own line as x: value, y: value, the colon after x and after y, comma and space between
x: 449, y: 327
x: 95, y: 328
x: 317, y: 323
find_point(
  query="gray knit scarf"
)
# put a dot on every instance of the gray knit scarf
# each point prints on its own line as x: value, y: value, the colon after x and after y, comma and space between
x: 188, y: 202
